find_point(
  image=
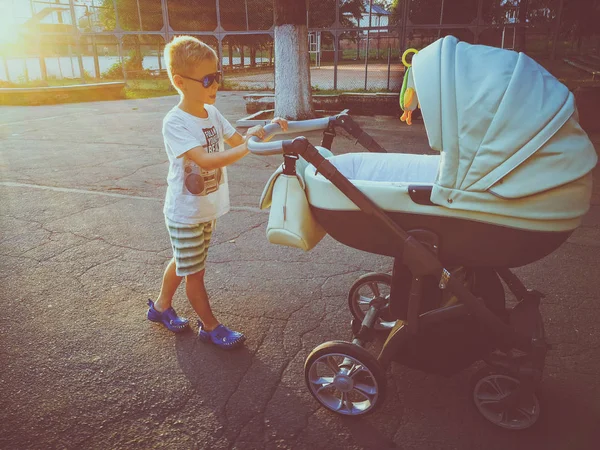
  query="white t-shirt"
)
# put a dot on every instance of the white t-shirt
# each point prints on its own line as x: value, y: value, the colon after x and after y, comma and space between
x: 195, y: 195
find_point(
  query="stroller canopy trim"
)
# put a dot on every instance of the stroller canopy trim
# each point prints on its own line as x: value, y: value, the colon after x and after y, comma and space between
x: 505, y: 127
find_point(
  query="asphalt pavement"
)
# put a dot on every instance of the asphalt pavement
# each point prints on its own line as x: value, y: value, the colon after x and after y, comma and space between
x: 83, y: 246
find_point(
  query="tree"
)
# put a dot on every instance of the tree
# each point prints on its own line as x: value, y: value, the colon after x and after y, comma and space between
x: 293, y: 96
x: 428, y: 11
x: 244, y: 15
x: 321, y: 13
x: 580, y: 19
x: 149, y: 14
x: 129, y: 19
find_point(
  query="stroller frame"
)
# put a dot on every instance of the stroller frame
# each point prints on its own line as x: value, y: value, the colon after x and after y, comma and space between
x: 418, y: 254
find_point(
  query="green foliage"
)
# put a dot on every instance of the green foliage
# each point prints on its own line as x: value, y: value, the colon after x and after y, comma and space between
x: 233, y: 15
x: 133, y: 67
x: 321, y: 13
x: 129, y: 19
x: 581, y: 17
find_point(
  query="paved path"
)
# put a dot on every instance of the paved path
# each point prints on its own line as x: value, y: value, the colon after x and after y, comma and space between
x: 350, y: 77
x: 83, y: 246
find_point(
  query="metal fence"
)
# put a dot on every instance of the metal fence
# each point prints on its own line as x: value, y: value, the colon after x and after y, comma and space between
x: 354, y: 44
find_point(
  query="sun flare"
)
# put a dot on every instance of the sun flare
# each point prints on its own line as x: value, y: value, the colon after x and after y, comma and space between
x: 8, y: 27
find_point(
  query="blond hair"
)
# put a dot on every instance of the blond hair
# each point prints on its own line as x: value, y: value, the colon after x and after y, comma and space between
x: 184, y: 52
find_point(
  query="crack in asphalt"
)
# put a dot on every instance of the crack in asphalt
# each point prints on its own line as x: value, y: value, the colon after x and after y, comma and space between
x: 111, y: 244
x: 161, y: 418
x: 286, y: 366
x: 227, y: 240
x: 96, y: 265
x: 78, y: 191
x: 141, y: 168
x: 120, y: 144
x: 237, y: 387
x: 300, y: 348
x: 43, y: 226
x: 79, y: 165
x: 70, y: 247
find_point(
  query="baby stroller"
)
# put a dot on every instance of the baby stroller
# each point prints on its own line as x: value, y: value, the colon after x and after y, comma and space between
x: 511, y: 183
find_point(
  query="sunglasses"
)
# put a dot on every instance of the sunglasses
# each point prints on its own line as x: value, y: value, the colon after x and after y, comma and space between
x: 208, y: 80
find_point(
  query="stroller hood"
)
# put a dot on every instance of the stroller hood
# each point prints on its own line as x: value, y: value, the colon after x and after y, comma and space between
x: 507, y: 130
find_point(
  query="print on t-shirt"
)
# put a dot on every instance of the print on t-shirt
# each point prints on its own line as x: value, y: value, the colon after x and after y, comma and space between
x: 198, y: 181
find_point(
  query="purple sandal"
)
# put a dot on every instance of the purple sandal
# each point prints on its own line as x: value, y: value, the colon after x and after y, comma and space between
x: 168, y: 318
x: 221, y: 336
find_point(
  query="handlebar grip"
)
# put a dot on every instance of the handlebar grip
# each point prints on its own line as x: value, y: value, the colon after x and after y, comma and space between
x: 266, y: 148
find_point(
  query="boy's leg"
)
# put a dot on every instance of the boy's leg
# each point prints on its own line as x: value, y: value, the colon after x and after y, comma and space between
x: 198, y: 297
x: 170, y: 283
x: 210, y: 330
x: 161, y: 310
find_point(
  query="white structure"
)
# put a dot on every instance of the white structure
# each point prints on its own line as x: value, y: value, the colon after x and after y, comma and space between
x: 314, y: 46
x: 86, y: 13
x: 379, y: 18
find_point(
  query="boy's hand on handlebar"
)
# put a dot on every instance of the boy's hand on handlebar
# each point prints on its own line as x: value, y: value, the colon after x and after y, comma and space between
x: 257, y: 131
x: 282, y: 123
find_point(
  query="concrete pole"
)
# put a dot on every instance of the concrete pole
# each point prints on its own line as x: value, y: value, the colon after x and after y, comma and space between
x: 139, y: 13
x: 368, y: 41
x: 166, y: 25
x: 42, y: 59
x: 405, y: 14
x: 336, y: 44
x: 95, y: 53
x: 557, y: 28
x: 25, y: 69
x: 441, y: 19
x: 120, y: 39
x: 77, y: 36
x: 389, y: 62
x: 219, y: 35
x: 5, y: 62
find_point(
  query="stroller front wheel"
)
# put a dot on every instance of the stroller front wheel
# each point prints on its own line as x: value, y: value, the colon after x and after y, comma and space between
x: 345, y: 378
x: 366, y: 289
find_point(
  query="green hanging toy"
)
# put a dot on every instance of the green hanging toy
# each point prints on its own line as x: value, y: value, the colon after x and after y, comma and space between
x: 408, y: 94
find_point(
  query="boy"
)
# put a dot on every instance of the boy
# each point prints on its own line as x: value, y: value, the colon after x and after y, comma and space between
x: 197, y: 193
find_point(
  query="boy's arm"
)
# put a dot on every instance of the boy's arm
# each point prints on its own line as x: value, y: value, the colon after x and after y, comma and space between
x: 235, y: 140
x: 183, y: 143
x: 210, y: 161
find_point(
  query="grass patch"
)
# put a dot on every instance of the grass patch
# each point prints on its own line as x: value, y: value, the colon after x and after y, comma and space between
x: 160, y: 86
x: 137, y: 89
x: 132, y: 94
x: 22, y: 83
x: 45, y: 96
x: 318, y: 91
x: 248, y: 70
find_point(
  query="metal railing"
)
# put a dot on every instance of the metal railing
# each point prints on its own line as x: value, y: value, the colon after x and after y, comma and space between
x: 356, y: 45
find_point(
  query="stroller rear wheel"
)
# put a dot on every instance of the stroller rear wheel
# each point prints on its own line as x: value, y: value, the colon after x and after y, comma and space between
x: 368, y: 288
x: 345, y: 378
x: 490, y: 387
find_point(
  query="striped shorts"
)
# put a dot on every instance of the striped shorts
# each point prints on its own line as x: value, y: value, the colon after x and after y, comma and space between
x: 190, y: 245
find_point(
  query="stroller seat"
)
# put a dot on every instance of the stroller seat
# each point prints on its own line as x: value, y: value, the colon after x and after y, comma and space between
x: 513, y: 178
x: 401, y: 184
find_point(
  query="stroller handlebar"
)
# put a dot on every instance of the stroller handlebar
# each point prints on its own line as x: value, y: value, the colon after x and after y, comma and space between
x: 266, y: 148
